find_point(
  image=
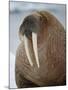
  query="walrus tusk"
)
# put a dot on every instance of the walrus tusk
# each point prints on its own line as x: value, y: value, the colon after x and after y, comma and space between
x: 34, y: 39
x: 27, y: 49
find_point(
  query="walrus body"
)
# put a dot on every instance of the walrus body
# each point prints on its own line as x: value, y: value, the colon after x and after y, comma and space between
x: 51, y: 53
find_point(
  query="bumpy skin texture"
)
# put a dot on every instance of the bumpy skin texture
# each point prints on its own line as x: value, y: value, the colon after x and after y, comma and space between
x: 51, y: 50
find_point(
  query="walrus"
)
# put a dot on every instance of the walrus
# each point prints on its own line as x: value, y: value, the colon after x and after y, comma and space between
x: 40, y: 56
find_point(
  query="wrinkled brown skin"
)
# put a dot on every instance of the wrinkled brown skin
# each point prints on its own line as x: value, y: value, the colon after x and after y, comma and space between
x: 51, y: 50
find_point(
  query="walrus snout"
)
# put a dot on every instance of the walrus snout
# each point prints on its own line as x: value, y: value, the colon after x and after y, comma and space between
x: 32, y: 23
x: 29, y: 25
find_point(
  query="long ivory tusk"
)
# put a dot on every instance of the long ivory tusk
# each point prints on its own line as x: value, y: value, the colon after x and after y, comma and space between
x: 34, y: 39
x: 27, y: 49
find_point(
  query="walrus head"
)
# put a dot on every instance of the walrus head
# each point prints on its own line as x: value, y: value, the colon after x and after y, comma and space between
x: 33, y: 27
x: 29, y: 30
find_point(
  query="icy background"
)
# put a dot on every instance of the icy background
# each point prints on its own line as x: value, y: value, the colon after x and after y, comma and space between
x: 17, y: 12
